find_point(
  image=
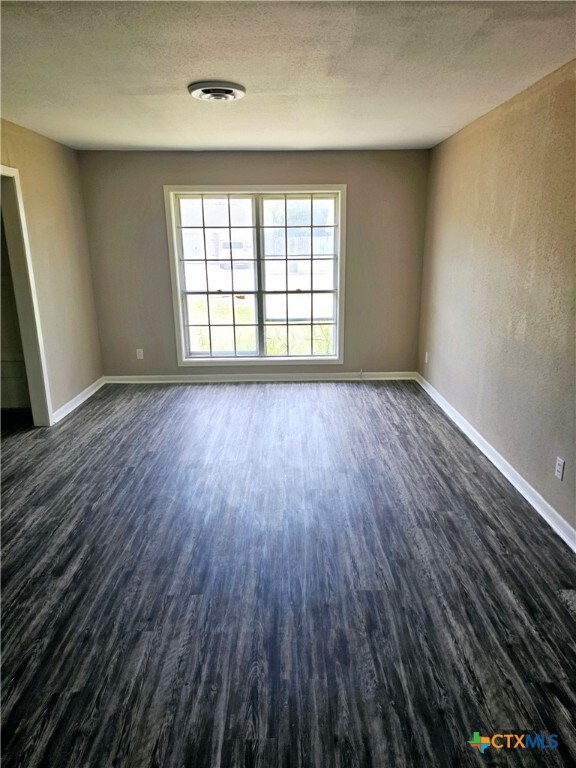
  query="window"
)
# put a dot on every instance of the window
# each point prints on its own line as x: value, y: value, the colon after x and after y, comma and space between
x: 257, y: 275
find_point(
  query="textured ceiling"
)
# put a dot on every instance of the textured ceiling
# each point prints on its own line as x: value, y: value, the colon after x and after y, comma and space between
x: 319, y: 75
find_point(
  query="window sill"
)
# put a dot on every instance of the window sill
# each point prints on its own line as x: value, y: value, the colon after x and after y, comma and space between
x: 262, y: 361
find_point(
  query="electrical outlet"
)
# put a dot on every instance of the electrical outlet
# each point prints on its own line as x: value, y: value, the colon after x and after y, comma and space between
x: 559, y: 471
x: 426, y: 357
x: 140, y: 354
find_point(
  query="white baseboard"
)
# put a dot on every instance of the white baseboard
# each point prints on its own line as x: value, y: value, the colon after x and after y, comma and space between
x: 71, y: 405
x: 561, y: 526
x: 214, y: 378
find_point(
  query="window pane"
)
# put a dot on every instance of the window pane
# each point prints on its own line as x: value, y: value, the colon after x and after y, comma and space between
x: 275, y: 307
x: 323, y: 339
x: 274, y: 242
x: 241, y: 212
x: 275, y: 275
x: 242, y: 243
x: 246, y: 340
x: 299, y: 340
x: 191, y: 212
x: 273, y: 211
x: 221, y: 310
x: 245, y: 309
x: 323, y: 306
x: 299, y: 275
x: 244, y: 276
x: 192, y: 243
x: 222, y: 340
x: 215, y: 211
x: 275, y: 338
x: 197, y: 307
x: 324, y: 210
x: 199, y: 340
x: 220, y: 276
x: 299, y: 241
x: 323, y: 275
x: 299, y: 306
x: 298, y: 210
x: 194, y: 276
x: 323, y: 243
x: 218, y: 244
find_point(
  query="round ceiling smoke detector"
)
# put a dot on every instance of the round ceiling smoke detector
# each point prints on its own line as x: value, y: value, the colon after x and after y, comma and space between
x: 216, y: 90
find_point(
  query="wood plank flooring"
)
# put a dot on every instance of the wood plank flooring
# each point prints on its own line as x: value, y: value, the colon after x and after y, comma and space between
x: 275, y: 575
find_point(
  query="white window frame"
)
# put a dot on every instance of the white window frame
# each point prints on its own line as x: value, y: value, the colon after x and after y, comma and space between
x: 171, y: 193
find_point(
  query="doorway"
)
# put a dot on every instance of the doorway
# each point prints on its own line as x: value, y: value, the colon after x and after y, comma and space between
x: 25, y: 385
x: 14, y: 392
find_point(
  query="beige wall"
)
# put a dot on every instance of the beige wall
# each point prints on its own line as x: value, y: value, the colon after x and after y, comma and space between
x: 499, y: 281
x: 128, y: 242
x: 56, y: 228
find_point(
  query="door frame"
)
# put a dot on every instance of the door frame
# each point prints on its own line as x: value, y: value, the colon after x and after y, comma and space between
x: 20, y: 258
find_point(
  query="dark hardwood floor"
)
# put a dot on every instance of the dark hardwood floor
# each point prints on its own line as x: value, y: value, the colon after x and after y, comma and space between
x: 275, y: 575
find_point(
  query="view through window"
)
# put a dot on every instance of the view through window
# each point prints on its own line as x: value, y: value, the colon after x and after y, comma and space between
x: 257, y: 274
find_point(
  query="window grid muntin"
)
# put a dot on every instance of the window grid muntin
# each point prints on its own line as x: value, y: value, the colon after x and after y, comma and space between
x: 258, y: 230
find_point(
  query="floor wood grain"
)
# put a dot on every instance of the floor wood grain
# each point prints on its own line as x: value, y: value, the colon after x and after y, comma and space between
x: 275, y: 575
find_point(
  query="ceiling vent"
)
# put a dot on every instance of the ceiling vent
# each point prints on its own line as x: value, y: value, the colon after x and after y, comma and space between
x: 216, y: 90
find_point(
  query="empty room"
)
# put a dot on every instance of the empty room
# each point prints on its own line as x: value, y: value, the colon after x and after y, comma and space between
x: 288, y: 384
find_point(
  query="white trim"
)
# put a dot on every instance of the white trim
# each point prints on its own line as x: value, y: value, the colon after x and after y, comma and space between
x: 249, y: 362
x: 171, y: 192
x: 215, y: 378
x: 252, y: 189
x: 20, y: 258
x: 342, y: 190
x: 71, y: 405
x: 561, y: 526
x: 171, y: 219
